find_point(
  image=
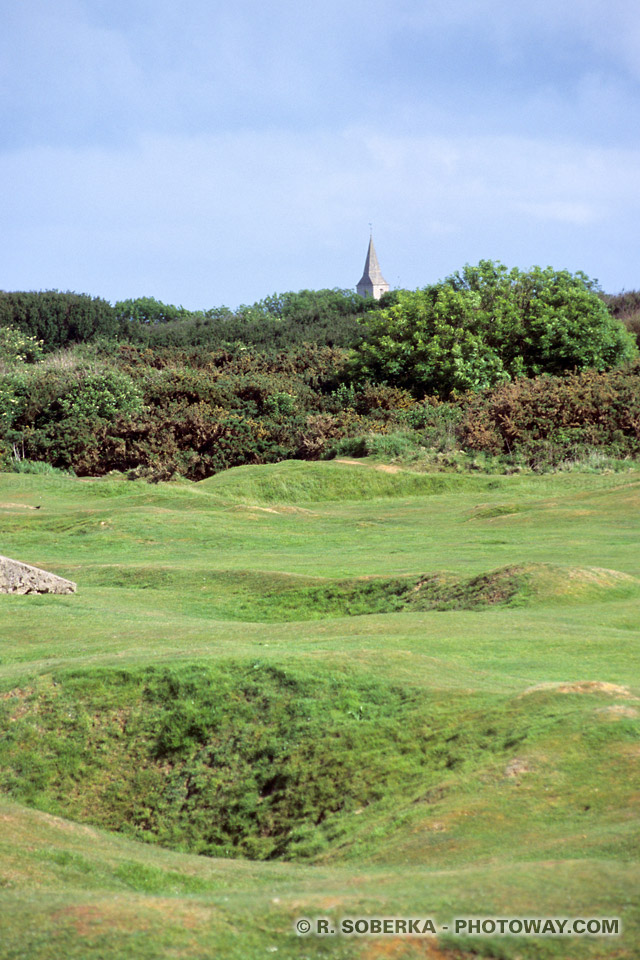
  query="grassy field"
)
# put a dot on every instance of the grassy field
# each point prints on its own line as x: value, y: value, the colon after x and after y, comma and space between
x: 319, y: 689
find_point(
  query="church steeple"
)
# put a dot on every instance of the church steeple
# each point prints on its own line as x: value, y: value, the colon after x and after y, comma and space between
x: 372, y: 284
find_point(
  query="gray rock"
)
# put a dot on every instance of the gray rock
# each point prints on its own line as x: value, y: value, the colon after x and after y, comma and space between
x: 16, y: 577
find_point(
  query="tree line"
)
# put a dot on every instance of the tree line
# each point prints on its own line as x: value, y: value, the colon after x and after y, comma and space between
x: 533, y: 366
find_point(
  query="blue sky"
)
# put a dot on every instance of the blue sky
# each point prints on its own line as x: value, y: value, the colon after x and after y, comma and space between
x: 211, y: 153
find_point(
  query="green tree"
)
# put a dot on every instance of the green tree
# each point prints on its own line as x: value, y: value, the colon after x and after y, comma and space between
x: 307, y: 306
x: 148, y: 310
x: 488, y: 324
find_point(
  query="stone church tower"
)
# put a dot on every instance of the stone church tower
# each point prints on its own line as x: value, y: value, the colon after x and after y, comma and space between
x: 372, y: 284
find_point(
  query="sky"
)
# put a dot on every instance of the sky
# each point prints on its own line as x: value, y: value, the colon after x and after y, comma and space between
x: 213, y: 152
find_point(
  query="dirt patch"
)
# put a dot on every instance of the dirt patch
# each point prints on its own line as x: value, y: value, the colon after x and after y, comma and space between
x: 580, y: 686
x: 67, y: 826
x: 92, y: 920
x: 599, y: 576
x: 17, y: 506
x: 283, y: 508
x: 383, y: 467
x: 387, y: 468
x: 17, y: 693
x: 619, y: 710
x: 405, y: 948
x: 516, y: 767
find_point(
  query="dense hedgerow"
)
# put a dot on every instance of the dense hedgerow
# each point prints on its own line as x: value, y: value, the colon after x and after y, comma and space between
x: 172, y: 412
x: 298, y: 376
x: 277, y: 323
x: 165, y: 413
x: 547, y: 419
x: 58, y: 319
x: 281, y: 321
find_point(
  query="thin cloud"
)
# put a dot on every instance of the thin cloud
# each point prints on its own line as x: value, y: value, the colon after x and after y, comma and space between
x: 231, y: 218
x: 208, y: 153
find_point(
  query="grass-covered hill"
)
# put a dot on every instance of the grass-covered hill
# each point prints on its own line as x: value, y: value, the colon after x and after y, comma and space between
x: 319, y: 689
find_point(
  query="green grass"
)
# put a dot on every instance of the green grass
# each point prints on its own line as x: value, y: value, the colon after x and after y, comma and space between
x: 297, y: 481
x: 397, y: 693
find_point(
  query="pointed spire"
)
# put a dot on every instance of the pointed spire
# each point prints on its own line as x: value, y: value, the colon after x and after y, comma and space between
x: 372, y: 283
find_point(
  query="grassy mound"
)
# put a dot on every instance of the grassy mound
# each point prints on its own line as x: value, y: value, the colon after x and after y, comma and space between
x: 279, y: 597
x: 297, y: 481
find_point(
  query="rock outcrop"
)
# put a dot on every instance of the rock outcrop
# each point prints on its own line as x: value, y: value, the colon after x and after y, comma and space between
x: 16, y: 577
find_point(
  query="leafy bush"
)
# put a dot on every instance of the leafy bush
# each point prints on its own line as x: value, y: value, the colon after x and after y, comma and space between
x: 309, y: 306
x: 54, y: 414
x: 626, y: 306
x: 317, y: 438
x: 164, y: 411
x: 489, y: 325
x: 101, y: 396
x: 404, y: 445
x: 58, y: 318
x: 38, y: 467
x: 551, y: 419
x: 18, y: 347
x: 281, y: 321
x: 148, y: 310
